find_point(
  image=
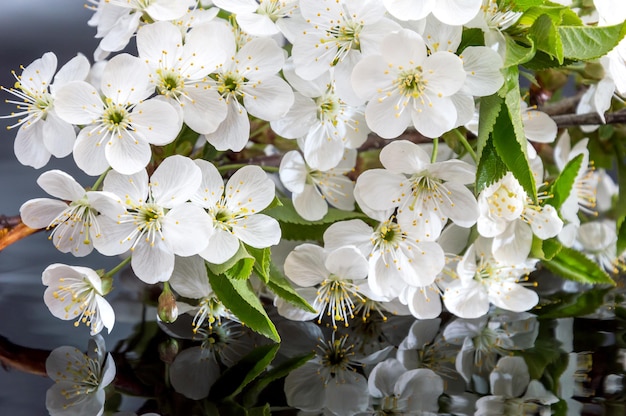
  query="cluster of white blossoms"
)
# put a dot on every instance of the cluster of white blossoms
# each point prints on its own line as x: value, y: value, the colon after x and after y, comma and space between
x: 171, y: 133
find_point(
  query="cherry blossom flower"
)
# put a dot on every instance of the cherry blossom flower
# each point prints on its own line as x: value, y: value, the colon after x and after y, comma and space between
x: 425, y: 194
x: 329, y: 281
x: 259, y: 18
x: 598, y: 240
x: 80, y: 379
x: 313, y: 190
x: 41, y: 132
x: 321, y: 120
x: 404, y: 85
x: 180, y: 70
x: 450, y: 12
x: 75, y: 292
x: 73, y: 219
x: 158, y: 222
x: 119, y: 128
x: 234, y: 211
x: 249, y: 76
x: 481, y: 280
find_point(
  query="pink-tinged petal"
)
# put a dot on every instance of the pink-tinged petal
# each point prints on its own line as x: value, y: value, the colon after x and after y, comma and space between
x: 211, y: 187
x: 409, y: 9
x: 443, y: 73
x: 127, y: 154
x: 205, y: 110
x: 157, y: 121
x: 232, y: 133
x: 482, y: 65
x: 160, y: 45
x: 222, y: 246
x: 58, y: 135
x: 40, y: 212
x: 61, y: 185
x: 175, y: 181
x: 347, y: 263
x: 37, y: 76
x: 403, y: 156
x: 76, y: 69
x: 389, y: 116
x: 258, y: 231
x: 152, y: 263
x: 268, y: 100
x: 456, y: 12
x: 370, y: 75
x: 293, y: 172
x: 305, y: 265
x: 351, y: 232
x: 78, y: 103
x: 512, y: 296
x: 132, y: 189
x: 126, y: 79
x: 423, y: 302
x: 29, y: 147
x: 89, y: 152
x: 433, y: 121
x: 539, y: 127
x: 381, y: 189
x: 249, y: 190
x: 186, y: 229
x: 468, y: 300
x: 309, y: 203
x: 189, y: 278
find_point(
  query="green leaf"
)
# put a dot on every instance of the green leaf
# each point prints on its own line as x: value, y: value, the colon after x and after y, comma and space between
x: 235, y: 378
x: 559, y: 14
x: 546, y: 37
x: 523, y: 5
x: 545, y: 249
x: 282, y: 288
x: 260, y: 411
x: 490, y: 107
x: 241, y: 254
x: 562, y: 186
x: 262, y: 260
x: 518, y: 53
x: 252, y: 394
x: 574, y: 265
x: 471, y: 37
x: 590, y: 42
x: 237, y: 295
x: 490, y: 167
x: 513, y: 153
x: 620, y: 207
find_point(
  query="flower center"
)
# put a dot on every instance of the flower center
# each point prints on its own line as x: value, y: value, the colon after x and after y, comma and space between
x: 345, y: 37
x: 171, y: 83
x: 210, y: 310
x: 329, y: 106
x: 336, y: 297
x: 229, y: 84
x: 78, y: 219
x: 336, y: 358
x: 410, y: 83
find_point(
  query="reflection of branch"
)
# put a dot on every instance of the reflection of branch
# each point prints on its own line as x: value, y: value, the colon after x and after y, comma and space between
x: 33, y: 361
x: 12, y: 229
x: 567, y: 120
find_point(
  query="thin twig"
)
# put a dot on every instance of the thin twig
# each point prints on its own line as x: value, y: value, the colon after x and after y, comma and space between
x: 568, y: 120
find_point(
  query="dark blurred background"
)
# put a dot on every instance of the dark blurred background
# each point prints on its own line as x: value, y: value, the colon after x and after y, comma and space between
x: 28, y: 29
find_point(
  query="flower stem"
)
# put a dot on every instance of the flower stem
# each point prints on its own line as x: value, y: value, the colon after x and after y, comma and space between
x: 433, y: 156
x: 466, y: 144
x: 117, y: 268
x: 226, y: 168
x: 98, y: 182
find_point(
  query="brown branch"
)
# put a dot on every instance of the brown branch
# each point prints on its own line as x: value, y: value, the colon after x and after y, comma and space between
x: 12, y: 229
x: 568, y: 120
x: 563, y: 106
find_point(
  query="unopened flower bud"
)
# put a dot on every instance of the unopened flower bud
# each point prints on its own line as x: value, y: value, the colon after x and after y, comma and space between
x: 167, y: 309
x: 168, y: 350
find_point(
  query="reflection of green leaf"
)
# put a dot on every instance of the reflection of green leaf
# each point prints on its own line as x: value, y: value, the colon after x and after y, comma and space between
x: 562, y: 186
x: 238, y: 296
x: 282, y: 288
x: 573, y: 304
x: 282, y: 370
x: 544, y: 352
x: 260, y: 411
x: 620, y: 208
x: 234, y: 379
x: 574, y: 265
